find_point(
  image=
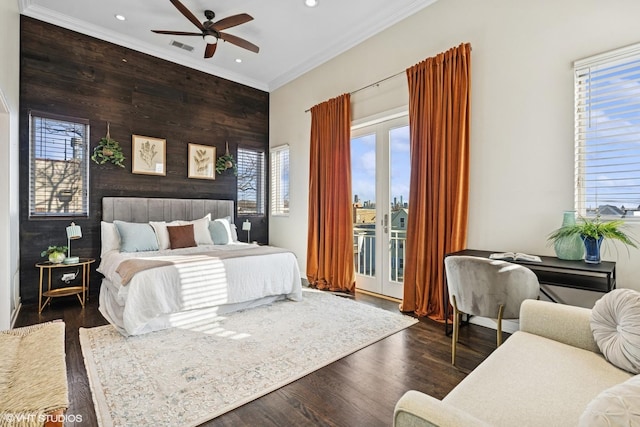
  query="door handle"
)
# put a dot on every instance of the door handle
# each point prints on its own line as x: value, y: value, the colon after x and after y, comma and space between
x: 385, y: 223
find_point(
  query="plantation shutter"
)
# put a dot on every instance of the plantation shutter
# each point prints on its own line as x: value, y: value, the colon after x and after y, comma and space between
x: 280, y: 180
x: 59, y: 164
x: 607, y: 133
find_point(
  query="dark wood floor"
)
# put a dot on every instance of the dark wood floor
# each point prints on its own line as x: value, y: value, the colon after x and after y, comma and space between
x: 358, y: 390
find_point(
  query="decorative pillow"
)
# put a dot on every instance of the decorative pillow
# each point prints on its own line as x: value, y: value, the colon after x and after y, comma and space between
x: 615, y: 406
x: 181, y: 236
x: 109, y: 237
x: 136, y: 237
x: 220, y: 230
x: 234, y: 229
x: 162, y: 235
x: 200, y: 229
x: 615, y: 323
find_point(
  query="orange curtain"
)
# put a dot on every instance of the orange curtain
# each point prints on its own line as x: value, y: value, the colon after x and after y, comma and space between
x: 439, y: 103
x: 330, y: 235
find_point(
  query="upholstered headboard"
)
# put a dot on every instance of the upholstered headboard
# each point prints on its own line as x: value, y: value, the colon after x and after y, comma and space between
x: 145, y: 209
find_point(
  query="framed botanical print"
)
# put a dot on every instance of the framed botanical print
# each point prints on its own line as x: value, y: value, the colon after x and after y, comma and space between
x: 148, y: 155
x: 202, y: 161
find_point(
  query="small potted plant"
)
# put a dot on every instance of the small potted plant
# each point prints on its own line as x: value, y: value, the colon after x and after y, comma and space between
x: 56, y: 254
x: 593, y: 232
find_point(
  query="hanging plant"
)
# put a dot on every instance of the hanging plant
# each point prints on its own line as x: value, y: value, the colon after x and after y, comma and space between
x: 108, y: 150
x: 225, y: 162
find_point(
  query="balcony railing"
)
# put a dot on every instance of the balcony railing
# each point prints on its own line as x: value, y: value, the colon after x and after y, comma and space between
x: 364, y: 252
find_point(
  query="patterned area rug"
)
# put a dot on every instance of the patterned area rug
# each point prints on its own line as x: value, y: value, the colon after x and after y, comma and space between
x: 185, y: 376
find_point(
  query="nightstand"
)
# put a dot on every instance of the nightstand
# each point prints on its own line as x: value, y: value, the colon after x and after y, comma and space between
x: 80, y: 291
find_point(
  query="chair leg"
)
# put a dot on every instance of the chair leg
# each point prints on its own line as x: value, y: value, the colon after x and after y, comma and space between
x: 456, y: 328
x: 499, y: 332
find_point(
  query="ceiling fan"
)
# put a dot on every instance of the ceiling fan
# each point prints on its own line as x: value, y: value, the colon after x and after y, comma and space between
x: 211, y: 31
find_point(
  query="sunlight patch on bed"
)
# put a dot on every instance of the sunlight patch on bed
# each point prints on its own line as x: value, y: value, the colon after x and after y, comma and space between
x: 203, y: 282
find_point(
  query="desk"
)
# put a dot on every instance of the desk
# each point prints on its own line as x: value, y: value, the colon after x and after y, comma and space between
x: 68, y: 290
x: 557, y: 272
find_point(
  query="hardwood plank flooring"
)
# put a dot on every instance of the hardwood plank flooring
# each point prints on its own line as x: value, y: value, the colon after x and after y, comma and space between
x: 358, y: 390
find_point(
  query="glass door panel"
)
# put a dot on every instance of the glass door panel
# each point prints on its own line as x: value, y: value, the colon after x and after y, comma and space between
x: 380, y: 187
x: 399, y: 178
x: 363, y: 178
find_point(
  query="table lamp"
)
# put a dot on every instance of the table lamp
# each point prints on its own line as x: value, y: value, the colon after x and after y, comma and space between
x: 246, y: 226
x: 73, y: 233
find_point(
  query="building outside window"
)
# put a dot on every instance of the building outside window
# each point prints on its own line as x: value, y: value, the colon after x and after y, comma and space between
x: 58, y: 176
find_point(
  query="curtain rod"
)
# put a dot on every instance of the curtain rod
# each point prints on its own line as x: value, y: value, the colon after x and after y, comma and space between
x: 370, y: 85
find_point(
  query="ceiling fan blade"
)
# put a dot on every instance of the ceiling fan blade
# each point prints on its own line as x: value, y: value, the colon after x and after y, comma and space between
x: 177, y: 33
x: 239, y: 42
x: 232, y: 21
x: 187, y: 13
x: 210, y: 50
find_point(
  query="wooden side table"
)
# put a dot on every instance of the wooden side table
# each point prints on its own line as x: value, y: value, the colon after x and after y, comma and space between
x: 68, y: 290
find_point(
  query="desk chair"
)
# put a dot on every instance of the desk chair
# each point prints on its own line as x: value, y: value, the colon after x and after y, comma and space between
x: 487, y: 288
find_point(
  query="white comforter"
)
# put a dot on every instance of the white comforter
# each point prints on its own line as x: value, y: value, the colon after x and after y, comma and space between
x: 184, y: 287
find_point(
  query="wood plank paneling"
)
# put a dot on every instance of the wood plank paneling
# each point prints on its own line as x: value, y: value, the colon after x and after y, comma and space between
x: 75, y: 75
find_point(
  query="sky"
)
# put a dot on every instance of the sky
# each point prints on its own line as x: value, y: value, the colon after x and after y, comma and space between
x: 611, y: 121
x: 363, y: 165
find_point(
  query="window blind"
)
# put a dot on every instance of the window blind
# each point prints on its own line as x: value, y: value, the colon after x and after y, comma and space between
x: 59, y: 180
x: 607, y: 133
x: 251, y: 178
x: 280, y: 180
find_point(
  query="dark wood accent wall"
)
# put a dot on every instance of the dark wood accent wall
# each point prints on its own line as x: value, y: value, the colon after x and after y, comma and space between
x: 71, y: 74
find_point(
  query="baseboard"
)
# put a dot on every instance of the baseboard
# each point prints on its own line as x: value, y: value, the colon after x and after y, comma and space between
x: 373, y: 294
x: 509, y: 326
x: 14, y: 315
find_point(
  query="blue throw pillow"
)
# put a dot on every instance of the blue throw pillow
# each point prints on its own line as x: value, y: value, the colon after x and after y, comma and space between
x: 220, y: 230
x: 136, y: 237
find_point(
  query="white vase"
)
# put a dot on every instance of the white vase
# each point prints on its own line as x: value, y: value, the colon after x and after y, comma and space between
x: 56, y: 257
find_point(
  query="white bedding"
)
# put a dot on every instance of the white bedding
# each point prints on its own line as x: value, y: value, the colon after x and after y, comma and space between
x: 165, y: 296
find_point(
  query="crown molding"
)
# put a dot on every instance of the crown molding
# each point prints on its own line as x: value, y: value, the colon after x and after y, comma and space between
x: 357, y: 35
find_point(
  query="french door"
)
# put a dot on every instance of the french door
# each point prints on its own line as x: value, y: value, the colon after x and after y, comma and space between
x: 380, y: 170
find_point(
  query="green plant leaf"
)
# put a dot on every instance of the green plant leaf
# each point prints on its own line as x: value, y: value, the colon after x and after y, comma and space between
x: 595, y: 228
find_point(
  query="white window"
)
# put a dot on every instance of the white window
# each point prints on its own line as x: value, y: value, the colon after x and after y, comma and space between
x: 58, y: 179
x: 607, y: 134
x: 251, y: 179
x: 280, y: 180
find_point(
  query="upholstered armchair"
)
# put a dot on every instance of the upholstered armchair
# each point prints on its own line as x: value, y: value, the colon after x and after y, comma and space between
x: 487, y: 288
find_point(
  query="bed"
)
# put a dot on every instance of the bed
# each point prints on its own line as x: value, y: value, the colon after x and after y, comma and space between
x: 151, y: 282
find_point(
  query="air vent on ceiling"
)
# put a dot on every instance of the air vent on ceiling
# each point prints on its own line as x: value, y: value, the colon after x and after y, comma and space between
x: 181, y: 45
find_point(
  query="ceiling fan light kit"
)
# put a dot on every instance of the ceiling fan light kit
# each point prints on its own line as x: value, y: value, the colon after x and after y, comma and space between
x: 211, y: 31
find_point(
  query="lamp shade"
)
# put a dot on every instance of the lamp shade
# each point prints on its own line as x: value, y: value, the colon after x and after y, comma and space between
x: 246, y: 226
x: 74, y: 231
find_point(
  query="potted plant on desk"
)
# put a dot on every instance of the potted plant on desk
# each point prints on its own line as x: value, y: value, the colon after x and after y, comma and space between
x: 593, y: 232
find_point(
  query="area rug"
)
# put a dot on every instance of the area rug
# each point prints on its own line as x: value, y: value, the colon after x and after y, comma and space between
x: 188, y: 375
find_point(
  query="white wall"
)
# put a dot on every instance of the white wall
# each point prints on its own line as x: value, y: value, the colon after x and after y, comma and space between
x: 521, y: 115
x: 9, y: 104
